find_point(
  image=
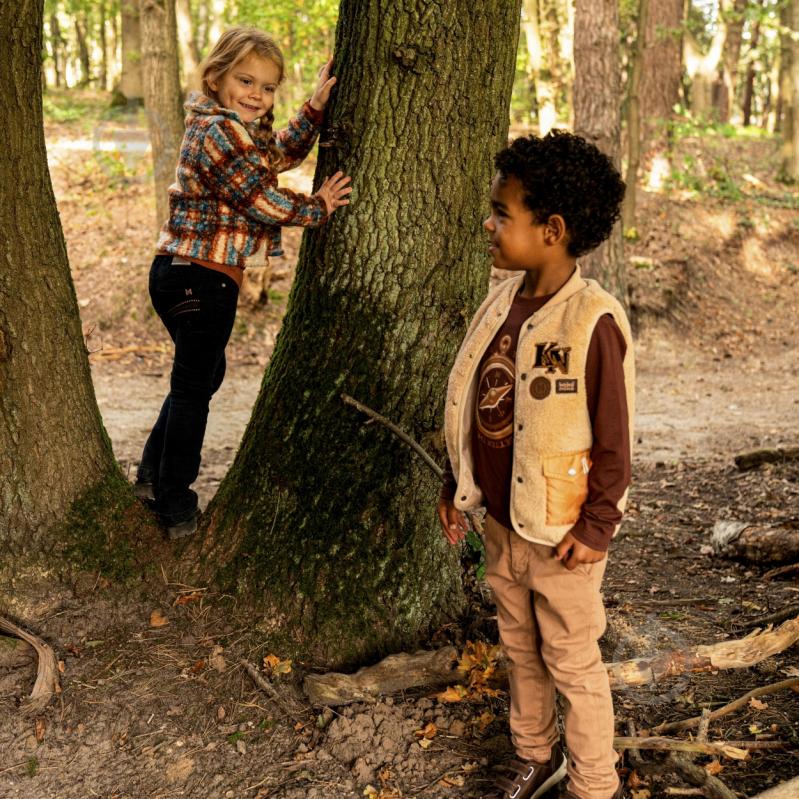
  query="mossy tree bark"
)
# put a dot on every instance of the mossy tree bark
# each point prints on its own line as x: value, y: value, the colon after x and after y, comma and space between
x: 56, y: 464
x: 597, y: 117
x: 330, y: 519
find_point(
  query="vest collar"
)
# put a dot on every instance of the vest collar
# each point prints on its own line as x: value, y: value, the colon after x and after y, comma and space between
x: 574, y: 284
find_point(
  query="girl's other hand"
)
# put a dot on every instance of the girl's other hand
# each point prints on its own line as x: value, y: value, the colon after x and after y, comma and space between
x: 453, y: 522
x: 334, y: 190
x: 323, y: 86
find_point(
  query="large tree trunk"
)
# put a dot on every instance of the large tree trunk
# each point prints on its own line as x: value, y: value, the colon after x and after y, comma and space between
x: 131, y: 82
x: 56, y: 464
x: 789, y: 92
x: 189, y: 54
x: 331, y: 519
x: 162, y: 95
x: 597, y: 116
x: 659, y: 91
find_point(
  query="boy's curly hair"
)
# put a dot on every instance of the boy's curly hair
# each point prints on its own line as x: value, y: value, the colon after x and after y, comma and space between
x: 564, y: 174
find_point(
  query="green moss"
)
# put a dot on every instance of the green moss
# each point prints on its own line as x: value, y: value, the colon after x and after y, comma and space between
x: 97, y: 531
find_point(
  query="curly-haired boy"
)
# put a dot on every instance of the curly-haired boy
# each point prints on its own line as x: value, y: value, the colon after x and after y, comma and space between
x: 538, y: 415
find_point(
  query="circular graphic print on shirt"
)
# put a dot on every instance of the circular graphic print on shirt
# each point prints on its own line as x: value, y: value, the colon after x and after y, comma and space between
x: 495, y: 397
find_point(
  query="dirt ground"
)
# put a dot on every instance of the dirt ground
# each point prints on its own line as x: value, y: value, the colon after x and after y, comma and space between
x: 168, y: 711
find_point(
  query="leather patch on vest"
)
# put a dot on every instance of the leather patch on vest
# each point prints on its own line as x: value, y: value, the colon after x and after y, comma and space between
x: 540, y: 388
x: 566, y: 386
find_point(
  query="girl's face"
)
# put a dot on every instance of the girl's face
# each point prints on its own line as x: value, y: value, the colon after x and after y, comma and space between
x: 248, y: 87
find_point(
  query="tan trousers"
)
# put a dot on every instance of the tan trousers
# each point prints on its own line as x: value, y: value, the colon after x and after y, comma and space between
x: 550, y: 620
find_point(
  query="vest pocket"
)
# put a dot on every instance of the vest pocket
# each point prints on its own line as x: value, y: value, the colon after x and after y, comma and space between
x: 567, y: 486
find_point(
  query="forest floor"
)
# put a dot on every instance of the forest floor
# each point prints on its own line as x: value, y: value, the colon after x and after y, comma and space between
x: 158, y: 705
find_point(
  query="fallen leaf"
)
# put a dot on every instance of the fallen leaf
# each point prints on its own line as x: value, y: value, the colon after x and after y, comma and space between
x: 157, y: 619
x: 483, y: 720
x: 198, y: 666
x: 284, y: 667
x: 756, y: 704
x: 61, y: 666
x: 270, y: 661
x: 713, y: 768
x: 276, y: 665
x: 428, y: 731
x: 425, y: 742
x: 184, y: 599
x: 40, y: 727
x: 370, y: 791
x: 216, y: 660
x: 221, y: 713
x: 454, y: 693
x: 454, y: 781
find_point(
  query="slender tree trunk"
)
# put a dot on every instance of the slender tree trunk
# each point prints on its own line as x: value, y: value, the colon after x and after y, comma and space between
x: 789, y: 92
x: 540, y: 73
x: 81, y: 28
x: 659, y: 92
x: 103, y: 49
x: 131, y: 83
x: 752, y: 58
x: 726, y: 85
x: 597, y: 95
x: 55, y: 48
x: 332, y: 520
x: 189, y: 54
x: 634, y: 119
x: 162, y: 95
x: 57, y: 470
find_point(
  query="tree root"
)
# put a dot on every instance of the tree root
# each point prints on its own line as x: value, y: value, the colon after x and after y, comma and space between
x: 47, y: 681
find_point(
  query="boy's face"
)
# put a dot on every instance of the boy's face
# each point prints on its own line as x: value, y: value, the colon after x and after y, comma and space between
x: 517, y: 240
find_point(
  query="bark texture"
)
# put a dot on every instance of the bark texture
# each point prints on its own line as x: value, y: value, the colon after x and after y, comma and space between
x: 597, y: 117
x: 162, y: 95
x: 330, y: 518
x: 53, y: 450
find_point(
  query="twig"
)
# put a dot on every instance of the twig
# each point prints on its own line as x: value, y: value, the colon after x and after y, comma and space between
x: 268, y: 688
x: 675, y: 745
x: 773, y: 618
x: 633, y: 754
x: 674, y: 726
x: 676, y: 602
x: 713, y: 787
x: 398, y: 432
x: 781, y: 571
x: 671, y: 791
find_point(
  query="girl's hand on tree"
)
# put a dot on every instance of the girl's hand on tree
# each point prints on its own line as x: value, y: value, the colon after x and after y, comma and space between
x: 334, y: 190
x: 323, y: 86
x: 453, y: 522
x: 571, y: 552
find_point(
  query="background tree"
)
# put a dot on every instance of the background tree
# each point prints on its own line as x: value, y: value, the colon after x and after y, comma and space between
x: 333, y: 521
x: 789, y: 91
x: 189, y: 54
x: 163, y: 99
x: 597, y: 100
x: 131, y: 85
x: 54, y: 455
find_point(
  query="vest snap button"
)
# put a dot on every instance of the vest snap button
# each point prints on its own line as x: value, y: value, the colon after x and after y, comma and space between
x: 572, y: 472
x: 463, y: 498
x: 521, y: 427
x: 519, y: 480
x: 524, y: 376
x: 529, y: 327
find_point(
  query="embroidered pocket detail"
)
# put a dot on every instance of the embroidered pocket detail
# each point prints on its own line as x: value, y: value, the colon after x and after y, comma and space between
x: 567, y: 486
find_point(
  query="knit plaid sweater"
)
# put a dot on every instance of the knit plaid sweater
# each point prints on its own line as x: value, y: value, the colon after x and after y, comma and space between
x: 225, y: 205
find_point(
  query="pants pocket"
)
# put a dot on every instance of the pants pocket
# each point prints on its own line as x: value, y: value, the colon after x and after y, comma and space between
x: 567, y: 486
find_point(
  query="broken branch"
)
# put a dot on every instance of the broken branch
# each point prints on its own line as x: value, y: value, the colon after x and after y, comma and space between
x: 47, y: 682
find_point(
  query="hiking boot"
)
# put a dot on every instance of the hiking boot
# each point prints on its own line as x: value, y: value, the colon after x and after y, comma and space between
x: 183, y: 529
x: 530, y: 780
x: 143, y: 491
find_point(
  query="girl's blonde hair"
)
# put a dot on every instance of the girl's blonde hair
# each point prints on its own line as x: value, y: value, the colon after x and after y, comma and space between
x: 234, y: 45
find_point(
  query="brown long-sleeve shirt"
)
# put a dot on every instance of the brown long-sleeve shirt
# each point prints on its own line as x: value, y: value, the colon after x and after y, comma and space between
x: 492, y: 440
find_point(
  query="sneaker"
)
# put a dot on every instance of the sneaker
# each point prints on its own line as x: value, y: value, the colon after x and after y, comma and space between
x: 530, y: 780
x: 183, y: 529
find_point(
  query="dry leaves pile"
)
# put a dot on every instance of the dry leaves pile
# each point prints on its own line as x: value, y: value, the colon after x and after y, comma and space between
x: 478, y: 663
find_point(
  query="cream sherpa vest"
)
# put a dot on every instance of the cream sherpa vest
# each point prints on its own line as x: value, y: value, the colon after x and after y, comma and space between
x: 552, y: 429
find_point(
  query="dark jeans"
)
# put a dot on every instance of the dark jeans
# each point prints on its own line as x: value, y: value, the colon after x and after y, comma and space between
x: 198, y: 306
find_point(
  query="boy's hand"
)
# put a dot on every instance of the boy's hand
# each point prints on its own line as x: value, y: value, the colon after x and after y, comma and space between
x: 323, y: 86
x: 571, y: 552
x: 453, y: 521
x: 334, y: 190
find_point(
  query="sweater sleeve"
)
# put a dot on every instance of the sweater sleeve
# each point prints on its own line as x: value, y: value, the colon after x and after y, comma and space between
x: 297, y: 139
x: 609, y: 476
x: 230, y: 166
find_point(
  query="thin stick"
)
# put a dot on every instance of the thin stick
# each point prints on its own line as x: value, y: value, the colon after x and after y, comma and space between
x: 686, y: 724
x: 398, y: 432
x: 773, y: 618
x: 267, y: 687
x: 675, y: 745
x: 781, y: 571
x: 713, y: 787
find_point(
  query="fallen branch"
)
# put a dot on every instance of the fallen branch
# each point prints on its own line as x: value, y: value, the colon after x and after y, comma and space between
x: 716, y: 748
x: 781, y: 571
x: 713, y: 787
x: 47, y: 682
x: 785, y: 790
x: 685, y: 724
x: 14, y: 652
x: 268, y: 688
x: 773, y: 618
x: 757, y: 543
x: 394, y: 673
x: 746, y: 461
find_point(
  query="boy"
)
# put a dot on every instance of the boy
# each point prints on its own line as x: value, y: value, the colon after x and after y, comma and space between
x: 538, y: 413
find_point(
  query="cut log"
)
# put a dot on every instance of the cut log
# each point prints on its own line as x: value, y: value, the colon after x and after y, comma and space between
x: 785, y: 790
x: 47, y: 682
x: 15, y: 653
x: 436, y: 668
x: 758, y: 543
x: 394, y: 673
x: 751, y: 460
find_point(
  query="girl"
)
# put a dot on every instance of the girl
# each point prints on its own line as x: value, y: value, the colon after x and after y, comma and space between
x: 225, y: 213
